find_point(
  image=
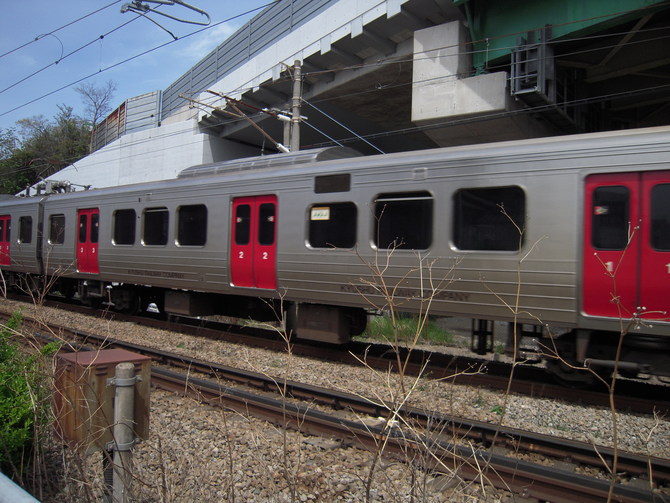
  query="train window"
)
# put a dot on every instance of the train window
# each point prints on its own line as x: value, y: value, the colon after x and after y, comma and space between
x: 266, y: 224
x: 124, y: 227
x: 660, y: 217
x: 83, y: 219
x: 156, y: 221
x: 487, y: 218
x: 242, y: 224
x: 25, y: 229
x: 192, y: 225
x: 332, y: 225
x: 332, y: 183
x: 95, y: 227
x: 56, y: 229
x: 404, y: 221
x: 610, y: 214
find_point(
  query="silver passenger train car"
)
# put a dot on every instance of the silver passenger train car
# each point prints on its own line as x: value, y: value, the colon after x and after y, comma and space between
x: 570, y: 234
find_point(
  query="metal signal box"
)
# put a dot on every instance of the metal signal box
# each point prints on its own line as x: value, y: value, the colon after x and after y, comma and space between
x: 84, y: 399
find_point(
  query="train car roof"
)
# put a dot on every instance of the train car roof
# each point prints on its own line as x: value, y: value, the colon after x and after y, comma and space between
x: 335, y: 159
x: 271, y: 161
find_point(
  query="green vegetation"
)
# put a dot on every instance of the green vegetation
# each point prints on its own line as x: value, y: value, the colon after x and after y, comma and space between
x: 38, y: 147
x: 24, y: 396
x: 498, y: 409
x: 381, y: 328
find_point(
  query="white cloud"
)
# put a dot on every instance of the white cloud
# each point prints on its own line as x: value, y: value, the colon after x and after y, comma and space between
x: 203, y: 43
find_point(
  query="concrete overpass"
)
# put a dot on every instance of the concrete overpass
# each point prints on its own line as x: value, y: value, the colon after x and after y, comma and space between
x: 394, y: 75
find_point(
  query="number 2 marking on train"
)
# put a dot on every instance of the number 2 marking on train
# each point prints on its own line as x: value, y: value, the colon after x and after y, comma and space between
x: 265, y: 255
x: 240, y: 255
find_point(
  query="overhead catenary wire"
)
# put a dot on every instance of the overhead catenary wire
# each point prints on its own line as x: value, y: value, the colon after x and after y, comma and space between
x: 402, y: 131
x: 498, y: 115
x: 588, y: 100
x: 414, y: 58
x: 447, y: 123
x: 343, y: 126
x: 96, y: 39
x: 353, y: 139
x: 136, y: 56
x: 39, y: 37
x: 262, y: 7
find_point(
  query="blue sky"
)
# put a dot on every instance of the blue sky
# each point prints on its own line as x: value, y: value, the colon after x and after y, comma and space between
x: 31, y: 24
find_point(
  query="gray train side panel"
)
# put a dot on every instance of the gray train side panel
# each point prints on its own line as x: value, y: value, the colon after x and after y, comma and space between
x: 461, y: 283
x: 546, y: 269
x: 24, y: 257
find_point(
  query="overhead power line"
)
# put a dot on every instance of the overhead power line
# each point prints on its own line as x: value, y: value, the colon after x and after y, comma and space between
x: 67, y: 55
x: 39, y: 37
x: 144, y: 53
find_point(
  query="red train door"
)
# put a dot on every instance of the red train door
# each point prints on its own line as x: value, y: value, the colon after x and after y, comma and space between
x: 655, y: 246
x: 253, y: 248
x: 5, y: 227
x: 87, y: 240
x: 627, y: 245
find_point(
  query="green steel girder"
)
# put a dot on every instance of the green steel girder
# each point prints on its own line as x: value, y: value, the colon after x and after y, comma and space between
x: 495, y: 25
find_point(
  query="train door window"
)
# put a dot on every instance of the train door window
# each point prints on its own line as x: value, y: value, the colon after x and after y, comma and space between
x: 56, y: 229
x: 332, y: 225
x: 660, y: 217
x: 610, y: 215
x: 404, y: 221
x: 192, y: 225
x: 266, y: 224
x: 242, y: 224
x: 83, y: 219
x: 4, y: 229
x: 156, y: 225
x: 124, y: 227
x: 25, y: 229
x: 4, y: 239
x: 489, y: 219
x: 95, y: 227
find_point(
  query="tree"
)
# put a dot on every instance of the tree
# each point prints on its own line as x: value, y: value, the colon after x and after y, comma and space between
x: 97, y: 100
x: 8, y: 143
x: 40, y: 148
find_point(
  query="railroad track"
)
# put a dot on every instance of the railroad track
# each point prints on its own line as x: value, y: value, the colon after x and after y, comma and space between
x: 528, y: 380
x: 505, y: 472
x: 407, y: 434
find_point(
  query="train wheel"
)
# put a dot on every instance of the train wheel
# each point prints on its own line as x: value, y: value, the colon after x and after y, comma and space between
x: 92, y: 302
x: 67, y: 289
x: 572, y: 375
x: 132, y: 306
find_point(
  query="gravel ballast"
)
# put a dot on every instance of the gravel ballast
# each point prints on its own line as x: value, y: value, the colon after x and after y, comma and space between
x: 197, y: 452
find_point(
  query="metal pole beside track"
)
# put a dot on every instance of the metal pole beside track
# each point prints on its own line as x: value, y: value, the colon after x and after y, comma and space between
x: 295, y: 109
x: 124, y: 436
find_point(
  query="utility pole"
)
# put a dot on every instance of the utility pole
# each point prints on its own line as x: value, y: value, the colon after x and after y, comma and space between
x: 295, y: 109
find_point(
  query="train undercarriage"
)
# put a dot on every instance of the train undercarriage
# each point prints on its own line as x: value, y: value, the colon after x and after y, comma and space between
x: 575, y: 357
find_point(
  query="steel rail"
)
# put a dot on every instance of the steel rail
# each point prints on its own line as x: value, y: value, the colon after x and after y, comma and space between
x: 507, y: 473
x: 453, y: 427
x: 486, y: 434
x: 527, y: 380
